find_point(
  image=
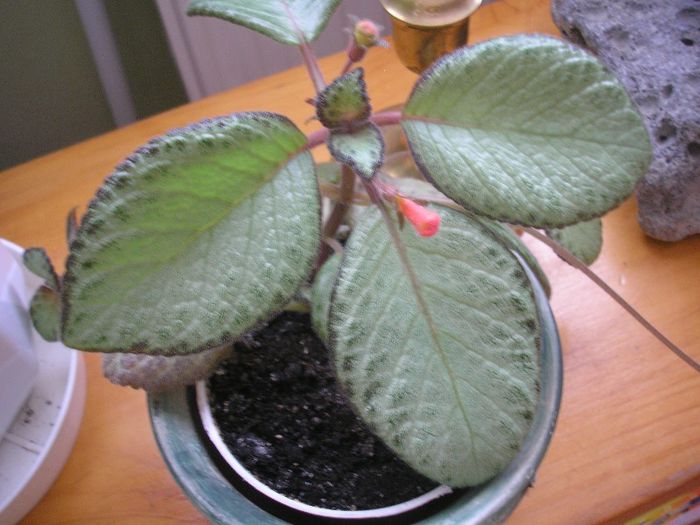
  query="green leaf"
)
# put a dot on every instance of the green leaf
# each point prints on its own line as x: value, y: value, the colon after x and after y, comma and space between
x: 45, y: 312
x: 329, y: 172
x: 362, y: 149
x: 584, y: 240
x: 527, y: 130
x: 286, y: 21
x: 439, y: 356
x: 416, y: 189
x: 156, y: 373
x: 321, y: 297
x: 196, y: 238
x: 37, y: 261
x: 509, y: 238
x: 344, y: 102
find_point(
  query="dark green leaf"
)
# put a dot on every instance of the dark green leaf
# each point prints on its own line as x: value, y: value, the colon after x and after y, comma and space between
x: 584, y: 240
x: 37, y: 261
x: 45, y: 311
x: 362, y: 149
x: 344, y: 102
x: 321, y: 296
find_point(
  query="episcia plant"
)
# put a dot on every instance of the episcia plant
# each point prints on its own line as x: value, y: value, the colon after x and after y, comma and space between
x: 208, y: 231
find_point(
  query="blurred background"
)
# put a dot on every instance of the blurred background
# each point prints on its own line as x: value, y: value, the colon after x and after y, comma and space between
x: 73, y: 69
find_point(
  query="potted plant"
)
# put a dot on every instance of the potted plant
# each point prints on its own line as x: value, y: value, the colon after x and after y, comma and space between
x: 439, y: 332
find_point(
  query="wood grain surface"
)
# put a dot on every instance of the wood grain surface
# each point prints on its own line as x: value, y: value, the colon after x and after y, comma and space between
x: 628, y: 436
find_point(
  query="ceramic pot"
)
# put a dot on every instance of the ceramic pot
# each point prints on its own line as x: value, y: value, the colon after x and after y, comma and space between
x: 224, y: 492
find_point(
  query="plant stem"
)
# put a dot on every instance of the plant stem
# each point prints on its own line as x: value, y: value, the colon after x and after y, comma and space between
x: 386, y: 118
x: 316, y: 138
x: 348, y: 64
x: 342, y: 205
x: 576, y: 263
x: 340, y: 208
x: 312, y: 67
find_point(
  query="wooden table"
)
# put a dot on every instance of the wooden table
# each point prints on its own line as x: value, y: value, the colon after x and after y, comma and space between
x: 628, y: 436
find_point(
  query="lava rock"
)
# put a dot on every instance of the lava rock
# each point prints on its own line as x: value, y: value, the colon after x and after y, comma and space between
x: 653, y: 47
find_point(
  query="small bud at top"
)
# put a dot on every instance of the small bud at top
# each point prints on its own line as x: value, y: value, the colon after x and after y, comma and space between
x: 366, y: 33
x: 425, y: 221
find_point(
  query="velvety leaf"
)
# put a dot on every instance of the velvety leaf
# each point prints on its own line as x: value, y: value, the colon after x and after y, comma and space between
x: 329, y: 172
x: 321, y: 296
x: 439, y: 356
x: 511, y: 240
x: 344, y: 101
x: 193, y: 240
x: 157, y: 373
x: 37, y: 261
x: 287, y: 21
x: 527, y: 130
x: 584, y: 240
x: 416, y: 189
x: 45, y: 312
x: 362, y: 149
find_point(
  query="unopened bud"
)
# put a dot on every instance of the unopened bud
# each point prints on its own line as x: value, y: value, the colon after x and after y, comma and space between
x: 366, y: 33
x: 425, y: 221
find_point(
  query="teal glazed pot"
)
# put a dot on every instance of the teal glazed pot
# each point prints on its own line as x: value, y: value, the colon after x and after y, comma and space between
x: 224, y: 498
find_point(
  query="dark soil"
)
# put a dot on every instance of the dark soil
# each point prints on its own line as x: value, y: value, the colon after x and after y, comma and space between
x: 284, y: 418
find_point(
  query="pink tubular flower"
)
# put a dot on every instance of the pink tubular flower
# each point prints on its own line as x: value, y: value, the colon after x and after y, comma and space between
x: 425, y: 221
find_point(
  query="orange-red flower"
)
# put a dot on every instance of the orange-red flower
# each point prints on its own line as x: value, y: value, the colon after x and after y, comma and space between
x: 425, y: 221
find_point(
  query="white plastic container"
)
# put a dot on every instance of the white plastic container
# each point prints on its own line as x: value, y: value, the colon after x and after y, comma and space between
x: 18, y: 361
x: 42, y: 396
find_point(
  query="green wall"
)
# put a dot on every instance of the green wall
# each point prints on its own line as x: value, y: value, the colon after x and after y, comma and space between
x: 150, y: 70
x: 50, y: 94
x: 50, y: 91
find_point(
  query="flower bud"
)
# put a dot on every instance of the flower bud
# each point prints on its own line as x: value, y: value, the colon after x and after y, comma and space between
x: 425, y: 221
x: 366, y: 33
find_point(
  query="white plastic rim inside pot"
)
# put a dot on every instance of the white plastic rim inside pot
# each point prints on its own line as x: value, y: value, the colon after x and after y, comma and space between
x: 212, y: 431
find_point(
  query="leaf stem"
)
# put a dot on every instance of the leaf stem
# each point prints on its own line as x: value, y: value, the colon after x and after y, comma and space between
x: 340, y: 208
x: 348, y: 64
x: 386, y: 118
x: 579, y: 265
x: 312, y: 67
x: 316, y: 138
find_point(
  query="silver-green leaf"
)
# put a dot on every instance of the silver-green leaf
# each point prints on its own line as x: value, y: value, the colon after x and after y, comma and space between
x: 362, y: 149
x: 344, y: 102
x: 509, y: 238
x: 287, y: 21
x: 45, y: 313
x: 442, y: 365
x: 321, y: 296
x: 196, y: 238
x: 527, y: 130
x: 37, y: 261
x: 584, y: 240
x: 157, y: 373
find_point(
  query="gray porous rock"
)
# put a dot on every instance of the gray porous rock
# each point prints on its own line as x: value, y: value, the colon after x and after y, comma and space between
x: 653, y: 47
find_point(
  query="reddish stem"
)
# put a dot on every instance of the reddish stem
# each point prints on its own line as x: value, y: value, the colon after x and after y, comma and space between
x: 386, y: 118
x: 316, y: 138
x: 341, y: 207
x: 579, y: 265
x: 312, y: 67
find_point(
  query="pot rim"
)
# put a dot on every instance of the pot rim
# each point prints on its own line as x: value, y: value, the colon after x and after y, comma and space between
x: 185, y: 451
